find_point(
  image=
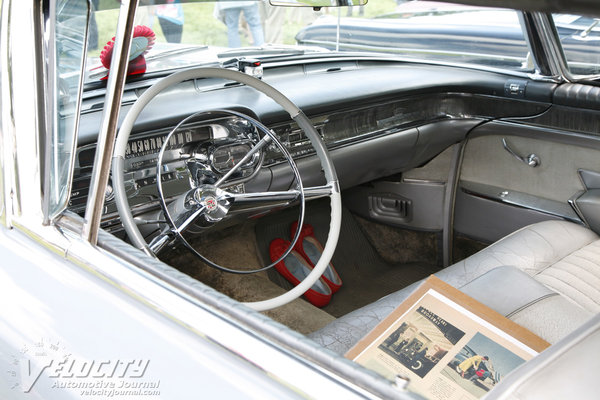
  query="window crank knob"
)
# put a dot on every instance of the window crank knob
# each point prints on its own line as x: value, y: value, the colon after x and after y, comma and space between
x: 533, y: 160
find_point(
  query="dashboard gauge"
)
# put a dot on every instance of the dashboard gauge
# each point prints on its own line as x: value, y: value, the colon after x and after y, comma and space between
x: 225, y: 157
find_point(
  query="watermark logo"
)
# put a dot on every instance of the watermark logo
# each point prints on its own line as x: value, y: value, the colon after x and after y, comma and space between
x: 108, y: 378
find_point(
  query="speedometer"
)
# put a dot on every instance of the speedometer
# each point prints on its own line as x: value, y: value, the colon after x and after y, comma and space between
x: 223, y: 158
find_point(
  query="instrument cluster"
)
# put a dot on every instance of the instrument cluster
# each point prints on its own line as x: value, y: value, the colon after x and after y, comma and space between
x: 198, y: 151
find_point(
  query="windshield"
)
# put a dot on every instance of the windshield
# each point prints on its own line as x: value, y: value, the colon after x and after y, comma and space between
x: 177, y: 34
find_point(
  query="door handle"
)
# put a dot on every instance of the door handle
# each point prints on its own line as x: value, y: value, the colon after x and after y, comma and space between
x: 531, y: 160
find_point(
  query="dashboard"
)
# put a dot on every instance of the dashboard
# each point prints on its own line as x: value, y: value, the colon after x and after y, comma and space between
x: 398, y: 118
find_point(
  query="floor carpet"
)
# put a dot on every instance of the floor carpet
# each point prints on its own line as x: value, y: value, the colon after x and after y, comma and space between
x: 365, y: 274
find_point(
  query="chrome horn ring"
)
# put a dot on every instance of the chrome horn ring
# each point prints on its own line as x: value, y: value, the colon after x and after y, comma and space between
x: 211, y: 203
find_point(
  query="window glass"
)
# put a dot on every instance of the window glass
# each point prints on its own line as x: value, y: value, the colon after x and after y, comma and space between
x: 69, y: 46
x: 197, y: 32
x: 430, y: 31
x: 580, y: 39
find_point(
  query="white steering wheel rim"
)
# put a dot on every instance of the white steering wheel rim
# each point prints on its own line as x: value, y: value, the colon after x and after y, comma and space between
x: 295, y: 113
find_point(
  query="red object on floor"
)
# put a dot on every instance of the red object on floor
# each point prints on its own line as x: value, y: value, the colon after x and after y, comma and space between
x: 294, y: 268
x: 312, y: 255
x: 143, y: 40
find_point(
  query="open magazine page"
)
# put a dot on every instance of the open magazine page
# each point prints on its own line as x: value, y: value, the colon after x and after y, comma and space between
x: 446, y: 350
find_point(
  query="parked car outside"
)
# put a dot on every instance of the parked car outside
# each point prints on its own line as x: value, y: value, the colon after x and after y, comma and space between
x: 466, y: 34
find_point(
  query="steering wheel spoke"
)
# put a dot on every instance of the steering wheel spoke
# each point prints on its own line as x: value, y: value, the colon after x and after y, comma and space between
x: 255, y: 149
x: 284, y: 197
x: 287, y: 197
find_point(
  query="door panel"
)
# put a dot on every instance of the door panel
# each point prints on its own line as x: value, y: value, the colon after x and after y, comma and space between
x: 488, y: 220
x: 499, y: 193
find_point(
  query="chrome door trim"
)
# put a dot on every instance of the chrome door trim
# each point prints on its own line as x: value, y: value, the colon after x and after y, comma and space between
x: 523, y: 200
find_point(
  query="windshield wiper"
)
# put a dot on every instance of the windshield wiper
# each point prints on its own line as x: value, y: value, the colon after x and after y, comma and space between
x: 587, y: 30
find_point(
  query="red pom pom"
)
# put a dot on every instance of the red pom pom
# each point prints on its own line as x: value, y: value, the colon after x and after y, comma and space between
x: 138, y: 31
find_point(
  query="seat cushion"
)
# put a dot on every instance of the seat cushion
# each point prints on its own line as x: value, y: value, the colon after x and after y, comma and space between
x: 557, y: 268
x: 520, y: 297
x: 490, y: 288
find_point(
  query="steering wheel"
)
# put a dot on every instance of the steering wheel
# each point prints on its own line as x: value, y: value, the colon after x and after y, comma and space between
x: 212, y: 202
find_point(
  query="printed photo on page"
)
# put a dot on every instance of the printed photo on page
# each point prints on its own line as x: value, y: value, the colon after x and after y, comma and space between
x: 444, y: 350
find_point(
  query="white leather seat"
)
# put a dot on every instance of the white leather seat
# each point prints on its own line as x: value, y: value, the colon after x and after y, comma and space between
x: 566, y: 370
x: 545, y: 277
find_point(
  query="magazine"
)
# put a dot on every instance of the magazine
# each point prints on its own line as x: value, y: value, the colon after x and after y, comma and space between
x: 447, y: 344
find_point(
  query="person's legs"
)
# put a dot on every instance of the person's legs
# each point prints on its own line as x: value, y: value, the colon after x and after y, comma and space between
x: 172, y: 31
x: 274, y: 23
x: 253, y: 18
x: 176, y: 33
x: 232, y: 20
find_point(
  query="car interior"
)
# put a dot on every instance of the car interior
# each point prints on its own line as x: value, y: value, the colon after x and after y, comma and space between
x: 487, y: 179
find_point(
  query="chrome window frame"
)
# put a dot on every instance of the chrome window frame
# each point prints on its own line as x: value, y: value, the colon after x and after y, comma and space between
x: 51, y: 108
x: 23, y: 111
x: 550, y: 48
x: 3, y: 152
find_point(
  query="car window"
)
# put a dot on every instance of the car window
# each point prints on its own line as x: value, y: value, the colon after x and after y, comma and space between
x: 199, y: 32
x: 430, y: 31
x: 71, y: 18
x: 580, y: 40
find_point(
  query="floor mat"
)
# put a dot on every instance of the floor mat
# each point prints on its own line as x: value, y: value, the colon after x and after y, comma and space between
x: 236, y: 248
x: 366, y: 276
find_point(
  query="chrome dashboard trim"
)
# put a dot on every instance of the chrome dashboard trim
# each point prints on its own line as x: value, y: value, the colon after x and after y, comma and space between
x: 141, y: 179
x: 445, y: 106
